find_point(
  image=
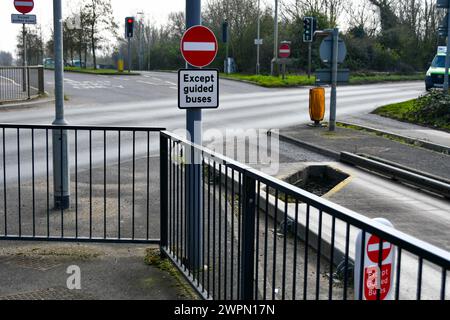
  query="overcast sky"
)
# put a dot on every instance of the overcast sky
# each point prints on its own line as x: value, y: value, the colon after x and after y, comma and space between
x: 156, y: 10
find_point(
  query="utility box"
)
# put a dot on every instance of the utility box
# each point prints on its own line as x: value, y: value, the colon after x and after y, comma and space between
x: 317, y: 105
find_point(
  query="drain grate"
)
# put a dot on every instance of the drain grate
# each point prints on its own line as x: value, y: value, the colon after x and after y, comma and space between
x: 58, y: 293
x: 36, y: 263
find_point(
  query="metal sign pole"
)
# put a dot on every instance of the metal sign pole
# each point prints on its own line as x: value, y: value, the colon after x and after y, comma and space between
x: 334, y: 74
x: 24, y: 62
x: 259, y: 39
x: 447, y: 57
x: 273, y: 71
x: 194, y: 172
x: 60, y: 137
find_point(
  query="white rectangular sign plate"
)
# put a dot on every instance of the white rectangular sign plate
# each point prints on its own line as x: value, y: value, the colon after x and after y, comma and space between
x: 23, y: 18
x: 198, y: 89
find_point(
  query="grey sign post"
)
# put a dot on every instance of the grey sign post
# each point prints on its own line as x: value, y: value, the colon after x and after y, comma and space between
x: 193, y: 171
x: 333, y: 51
x: 61, y: 177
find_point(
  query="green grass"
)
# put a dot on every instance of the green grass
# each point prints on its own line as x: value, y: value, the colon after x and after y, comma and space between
x: 98, y: 71
x: 399, y: 111
x: 302, y: 80
x: 403, y: 111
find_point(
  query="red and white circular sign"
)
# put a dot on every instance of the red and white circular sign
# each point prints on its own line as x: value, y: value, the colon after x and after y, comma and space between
x: 373, y: 249
x: 199, y: 46
x: 285, y: 50
x: 24, y: 6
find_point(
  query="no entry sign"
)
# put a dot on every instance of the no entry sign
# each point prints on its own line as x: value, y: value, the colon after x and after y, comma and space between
x: 377, y: 277
x: 285, y: 50
x: 199, y: 46
x: 24, y: 6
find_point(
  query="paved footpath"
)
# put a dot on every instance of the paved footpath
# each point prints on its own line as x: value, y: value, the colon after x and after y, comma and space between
x: 360, y: 142
x: 402, y: 128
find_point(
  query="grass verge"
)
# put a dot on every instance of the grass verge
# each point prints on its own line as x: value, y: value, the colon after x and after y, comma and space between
x: 303, y: 80
x: 153, y: 258
x: 103, y: 72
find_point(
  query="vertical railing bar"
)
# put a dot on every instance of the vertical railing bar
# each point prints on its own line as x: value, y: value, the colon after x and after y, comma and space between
x: 399, y: 261
x: 319, y: 254
x: 133, y: 196
x: 179, y: 199
x: 266, y: 241
x: 5, y: 206
x: 19, y: 202
x: 333, y: 244
x: 226, y: 235
x: 62, y: 181
x: 285, y: 233
x: 347, y: 248
x: 258, y: 197
x: 48, y: 183
x: 33, y: 182
x: 305, y: 274
x: 214, y: 233
x: 203, y: 221
x: 239, y: 274
x: 118, y: 187
x: 172, y: 186
x: 361, y: 267
x: 443, y: 283
x: 380, y: 266
x: 220, y: 232
x: 419, y: 279
x: 232, y: 235
x: 209, y: 229
x: 164, y: 186
x: 294, y: 271
x: 76, y: 184
x: 197, y: 172
x: 147, y: 209
x: 275, y: 231
x: 104, y: 185
x: 90, y: 184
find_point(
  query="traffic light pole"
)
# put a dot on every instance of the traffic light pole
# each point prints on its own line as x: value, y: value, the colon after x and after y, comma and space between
x: 61, y: 178
x: 194, y: 168
x: 309, y: 59
x: 273, y: 70
x: 258, y: 66
x: 129, y: 55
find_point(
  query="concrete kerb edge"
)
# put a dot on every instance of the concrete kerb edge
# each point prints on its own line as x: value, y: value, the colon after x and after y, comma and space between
x: 417, y: 142
x: 25, y: 104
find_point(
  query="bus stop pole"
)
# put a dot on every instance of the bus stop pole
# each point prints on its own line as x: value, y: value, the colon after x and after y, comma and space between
x: 194, y: 172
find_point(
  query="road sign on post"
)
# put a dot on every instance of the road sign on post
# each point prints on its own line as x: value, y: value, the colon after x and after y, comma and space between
x: 198, y: 89
x: 23, y: 18
x: 378, y: 275
x: 24, y: 6
x: 199, y: 46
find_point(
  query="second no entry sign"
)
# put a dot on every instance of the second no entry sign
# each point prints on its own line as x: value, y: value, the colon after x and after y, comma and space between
x: 199, y: 46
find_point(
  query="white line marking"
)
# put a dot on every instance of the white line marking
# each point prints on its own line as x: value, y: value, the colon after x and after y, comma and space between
x: 199, y: 46
x: 171, y: 83
x: 376, y: 247
x: 23, y: 3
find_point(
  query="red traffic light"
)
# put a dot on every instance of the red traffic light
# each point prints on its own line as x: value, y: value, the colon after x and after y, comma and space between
x: 130, y: 20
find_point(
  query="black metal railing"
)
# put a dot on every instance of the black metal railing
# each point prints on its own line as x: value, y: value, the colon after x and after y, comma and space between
x: 21, y: 83
x: 259, y: 238
x: 113, y: 187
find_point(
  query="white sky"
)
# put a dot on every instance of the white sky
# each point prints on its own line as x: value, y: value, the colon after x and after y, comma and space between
x: 156, y: 10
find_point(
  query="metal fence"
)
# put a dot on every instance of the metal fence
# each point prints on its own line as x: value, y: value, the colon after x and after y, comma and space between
x: 262, y: 239
x: 21, y: 83
x: 114, y: 184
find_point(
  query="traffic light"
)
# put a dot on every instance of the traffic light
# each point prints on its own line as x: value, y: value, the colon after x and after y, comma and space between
x: 309, y: 27
x: 129, y: 27
x: 225, y: 32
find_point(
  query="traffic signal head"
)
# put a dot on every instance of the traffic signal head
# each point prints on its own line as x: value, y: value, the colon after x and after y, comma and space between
x: 129, y: 27
x: 309, y: 27
x: 225, y: 32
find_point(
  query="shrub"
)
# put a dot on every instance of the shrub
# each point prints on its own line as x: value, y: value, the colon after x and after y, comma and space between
x: 432, y: 109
